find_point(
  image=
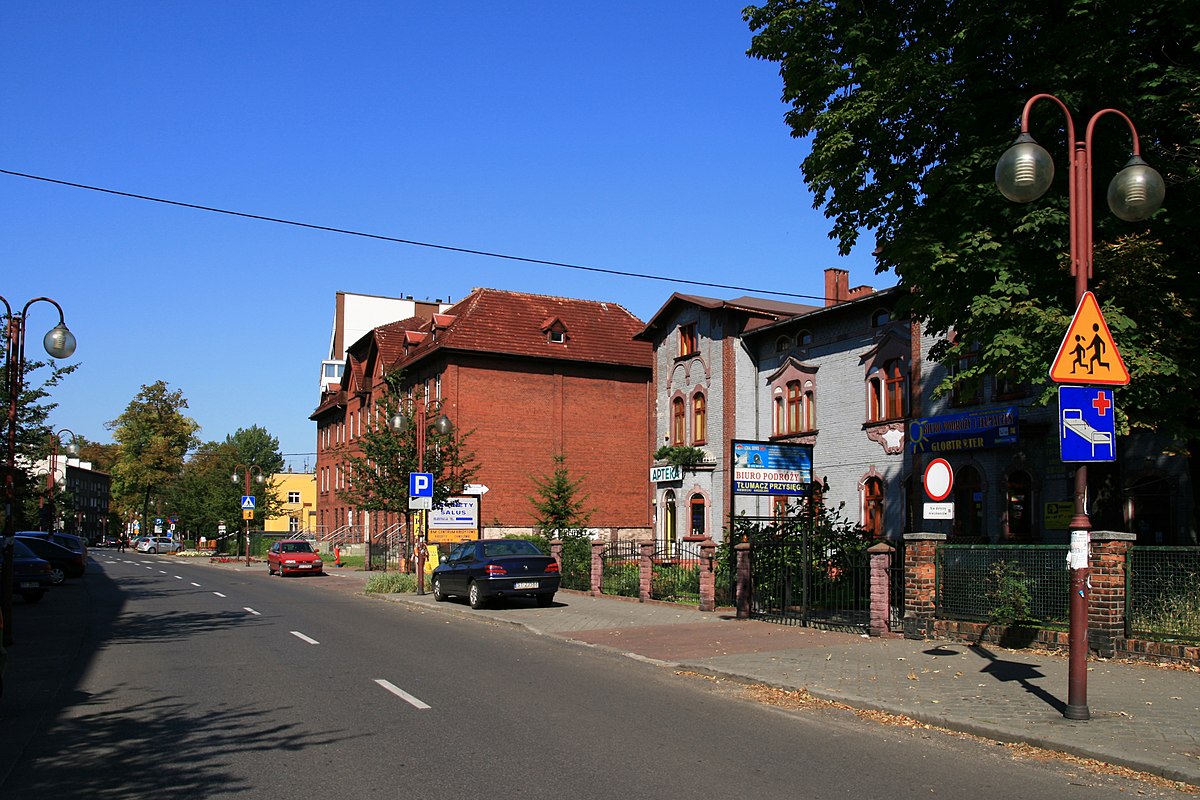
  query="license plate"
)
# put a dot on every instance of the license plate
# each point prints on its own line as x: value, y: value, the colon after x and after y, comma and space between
x: 28, y: 585
x: 525, y: 585
x: 305, y: 566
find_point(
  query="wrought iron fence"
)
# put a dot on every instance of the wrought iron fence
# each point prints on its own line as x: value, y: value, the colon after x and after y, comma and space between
x: 621, y: 569
x: 577, y: 564
x: 675, y: 573
x: 1163, y: 593
x: 1004, y: 583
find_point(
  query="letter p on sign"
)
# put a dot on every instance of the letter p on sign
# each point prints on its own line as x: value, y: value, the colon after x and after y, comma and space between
x: 420, y: 484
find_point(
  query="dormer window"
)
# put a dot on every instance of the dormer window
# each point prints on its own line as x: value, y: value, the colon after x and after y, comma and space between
x: 555, y: 330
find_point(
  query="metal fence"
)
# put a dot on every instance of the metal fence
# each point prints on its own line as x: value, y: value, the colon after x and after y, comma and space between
x: 621, y: 565
x: 1004, y: 583
x: 577, y: 564
x: 675, y: 573
x: 1163, y: 593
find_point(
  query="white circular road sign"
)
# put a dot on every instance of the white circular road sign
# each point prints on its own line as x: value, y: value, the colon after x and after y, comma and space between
x: 939, y: 480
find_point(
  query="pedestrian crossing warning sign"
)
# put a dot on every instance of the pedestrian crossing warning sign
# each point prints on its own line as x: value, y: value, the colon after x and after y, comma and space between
x: 1088, y: 354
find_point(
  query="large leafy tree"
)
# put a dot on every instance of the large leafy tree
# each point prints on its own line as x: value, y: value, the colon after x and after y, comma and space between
x: 381, y: 459
x: 908, y: 106
x: 154, y: 435
x: 33, y: 438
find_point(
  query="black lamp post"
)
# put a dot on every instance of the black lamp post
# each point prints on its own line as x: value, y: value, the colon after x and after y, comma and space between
x: 59, y: 343
x: 1023, y: 174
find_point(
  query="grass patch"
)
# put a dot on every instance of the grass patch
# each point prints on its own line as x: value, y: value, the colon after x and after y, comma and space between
x: 391, y: 583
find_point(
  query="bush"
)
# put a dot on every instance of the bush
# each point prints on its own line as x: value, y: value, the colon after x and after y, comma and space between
x: 1009, y: 592
x: 391, y: 583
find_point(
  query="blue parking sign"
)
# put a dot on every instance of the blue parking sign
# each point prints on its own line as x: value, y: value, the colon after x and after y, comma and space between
x: 1087, y: 424
x: 420, y: 484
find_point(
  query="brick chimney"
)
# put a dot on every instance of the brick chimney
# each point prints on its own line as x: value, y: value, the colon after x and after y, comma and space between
x: 837, y: 286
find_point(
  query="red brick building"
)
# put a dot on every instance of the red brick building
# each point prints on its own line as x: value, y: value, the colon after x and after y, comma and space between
x: 530, y: 377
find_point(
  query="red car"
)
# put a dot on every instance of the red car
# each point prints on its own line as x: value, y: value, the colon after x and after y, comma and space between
x: 294, y: 556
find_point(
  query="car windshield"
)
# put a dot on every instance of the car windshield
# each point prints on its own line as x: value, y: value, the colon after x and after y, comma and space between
x: 21, y: 551
x: 297, y: 547
x: 510, y: 547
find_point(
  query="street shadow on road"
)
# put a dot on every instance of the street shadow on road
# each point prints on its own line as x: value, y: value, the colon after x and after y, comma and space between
x: 1020, y: 673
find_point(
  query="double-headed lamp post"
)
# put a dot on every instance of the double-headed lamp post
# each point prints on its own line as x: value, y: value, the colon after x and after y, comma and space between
x: 71, y: 448
x: 59, y: 343
x: 1023, y: 174
x: 399, y: 423
x: 255, y: 471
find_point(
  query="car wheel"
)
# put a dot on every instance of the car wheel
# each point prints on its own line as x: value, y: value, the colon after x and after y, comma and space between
x: 270, y: 569
x: 438, y: 594
x: 34, y: 595
x: 57, y: 576
x: 545, y: 600
x: 153, y: 550
x: 476, y: 597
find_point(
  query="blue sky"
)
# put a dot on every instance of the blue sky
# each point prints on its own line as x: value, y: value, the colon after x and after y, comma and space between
x: 628, y: 136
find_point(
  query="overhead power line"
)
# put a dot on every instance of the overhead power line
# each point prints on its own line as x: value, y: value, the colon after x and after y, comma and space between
x: 412, y: 242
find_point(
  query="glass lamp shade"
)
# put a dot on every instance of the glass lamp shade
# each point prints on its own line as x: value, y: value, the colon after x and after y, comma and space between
x: 443, y: 425
x: 1025, y: 171
x: 398, y: 422
x: 1136, y: 192
x: 72, y: 449
x: 59, y: 342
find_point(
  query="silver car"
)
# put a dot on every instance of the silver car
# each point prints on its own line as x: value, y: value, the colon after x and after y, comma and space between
x: 158, y: 544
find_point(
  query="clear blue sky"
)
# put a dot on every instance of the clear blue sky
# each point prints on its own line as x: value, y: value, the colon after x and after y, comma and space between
x: 629, y: 136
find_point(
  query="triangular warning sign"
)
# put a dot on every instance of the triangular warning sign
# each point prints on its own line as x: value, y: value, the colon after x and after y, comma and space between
x: 1088, y: 354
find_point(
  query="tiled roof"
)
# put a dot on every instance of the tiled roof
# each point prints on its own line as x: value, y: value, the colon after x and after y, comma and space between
x: 511, y: 323
x: 764, y: 310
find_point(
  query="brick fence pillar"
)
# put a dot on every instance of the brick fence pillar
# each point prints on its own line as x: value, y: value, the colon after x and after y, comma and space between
x: 881, y: 591
x: 598, y: 566
x: 647, y: 572
x: 743, y: 579
x: 708, y: 575
x: 556, y: 552
x: 920, y: 583
x: 1109, y: 568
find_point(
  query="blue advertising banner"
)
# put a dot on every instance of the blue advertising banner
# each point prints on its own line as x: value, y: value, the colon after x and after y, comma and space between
x: 970, y: 430
x: 761, y: 468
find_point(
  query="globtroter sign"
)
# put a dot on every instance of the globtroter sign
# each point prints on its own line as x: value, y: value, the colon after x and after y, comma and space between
x: 763, y: 468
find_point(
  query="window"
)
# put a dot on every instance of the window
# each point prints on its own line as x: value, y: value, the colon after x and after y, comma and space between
x: 293, y: 497
x: 966, y: 391
x: 293, y: 525
x: 668, y: 531
x: 968, y: 504
x: 887, y: 392
x: 794, y: 403
x: 699, y: 422
x: 678, y: 422
x: 557, y: 337
x: 698, y: 507
x: 880, y: 318
x: 873, y: 507
x: 804, y: 338
x: 782, y: 344
x: 688, y: 343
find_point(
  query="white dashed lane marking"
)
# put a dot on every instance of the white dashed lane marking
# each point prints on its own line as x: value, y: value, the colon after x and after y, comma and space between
x: 403, y: 695
x: 304, y: 638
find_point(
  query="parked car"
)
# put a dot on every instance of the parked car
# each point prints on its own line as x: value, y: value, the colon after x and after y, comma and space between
x: 158, y: 544
x: 64, y: 563
x: 31, y: 575
x: 108, y: 540
x: 67, y: 540
x: 294, y: 555
x: 490, y: 568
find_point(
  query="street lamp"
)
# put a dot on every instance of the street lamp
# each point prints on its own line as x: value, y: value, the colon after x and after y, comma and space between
x: 59, y: 343
x: 399, y: 423
x: 256, y: 471
x: 72, y: 450
x: 1023, y: 174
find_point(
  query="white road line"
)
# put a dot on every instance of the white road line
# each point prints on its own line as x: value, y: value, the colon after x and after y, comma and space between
x: 195, y: 584
x: 251, y: 610
x: 403, y: 695
x: 178, y: 577
x: 218, y: 594
x: 304, y: 638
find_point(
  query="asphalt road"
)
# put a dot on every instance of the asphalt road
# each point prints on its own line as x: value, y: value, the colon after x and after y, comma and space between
x: 159, y: 677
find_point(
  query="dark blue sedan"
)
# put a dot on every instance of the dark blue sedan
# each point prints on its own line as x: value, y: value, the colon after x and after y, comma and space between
x: 494, y: 568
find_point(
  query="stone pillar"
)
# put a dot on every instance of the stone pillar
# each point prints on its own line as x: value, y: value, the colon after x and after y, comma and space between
x: 598, y: 566
x: 647, y: 572
x: 556, y: 551
x: 920, y: 583
x: 708, y: 575
x: 1109, y: 571
x: 744, y: 588
x: 881, y: 594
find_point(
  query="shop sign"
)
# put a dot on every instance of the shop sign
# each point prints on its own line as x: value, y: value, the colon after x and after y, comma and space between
x: 970, y: 430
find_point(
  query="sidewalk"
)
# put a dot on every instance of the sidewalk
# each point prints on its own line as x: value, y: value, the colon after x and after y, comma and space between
x: 1143, y: 718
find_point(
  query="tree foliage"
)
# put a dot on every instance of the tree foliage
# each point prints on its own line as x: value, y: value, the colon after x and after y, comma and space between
x: 154, y: 435
x: 560, y: 506
x: 909, y: 105
x: 33, y: 438
x: 380, y: 459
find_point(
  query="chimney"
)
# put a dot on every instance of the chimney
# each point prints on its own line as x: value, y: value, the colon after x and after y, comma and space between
x: 837, y: 286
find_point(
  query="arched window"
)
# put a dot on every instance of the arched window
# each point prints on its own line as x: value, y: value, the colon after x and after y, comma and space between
x: 804, y: 338
x: 1020, y: 506
x: 780, y: 425
x: 699, y: 419
x: 794, y: 406
x: 698, y: 509
x: 880, y: 318
x: 887, y: 392
x: 873, y: 506
x: 808, y: 418
x: 678, y: 422
x: 782, y: 344
x: 968, y: 504
x: 668, y: 529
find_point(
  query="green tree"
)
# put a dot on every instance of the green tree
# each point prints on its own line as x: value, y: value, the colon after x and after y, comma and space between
x: 154, y: 436
x: 380, y: 460
x: 256, y: 446
x: 560, y: 507
x: 908, y: 107
x: 33, y: 440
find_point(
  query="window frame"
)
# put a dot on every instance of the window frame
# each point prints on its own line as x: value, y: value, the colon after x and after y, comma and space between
x: 689, y: 343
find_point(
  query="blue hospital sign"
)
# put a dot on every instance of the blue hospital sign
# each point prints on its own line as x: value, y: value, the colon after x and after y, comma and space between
x: 1087, y: 424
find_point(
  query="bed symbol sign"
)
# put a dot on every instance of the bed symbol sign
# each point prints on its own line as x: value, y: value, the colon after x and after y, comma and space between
x: 1087, y: 426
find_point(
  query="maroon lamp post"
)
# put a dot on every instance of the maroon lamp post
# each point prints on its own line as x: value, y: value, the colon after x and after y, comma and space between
x: 399, y: 423
x: 1023, y: 174
x: 59, y: 343
x: 72, y: 450
x: 259, y: 478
